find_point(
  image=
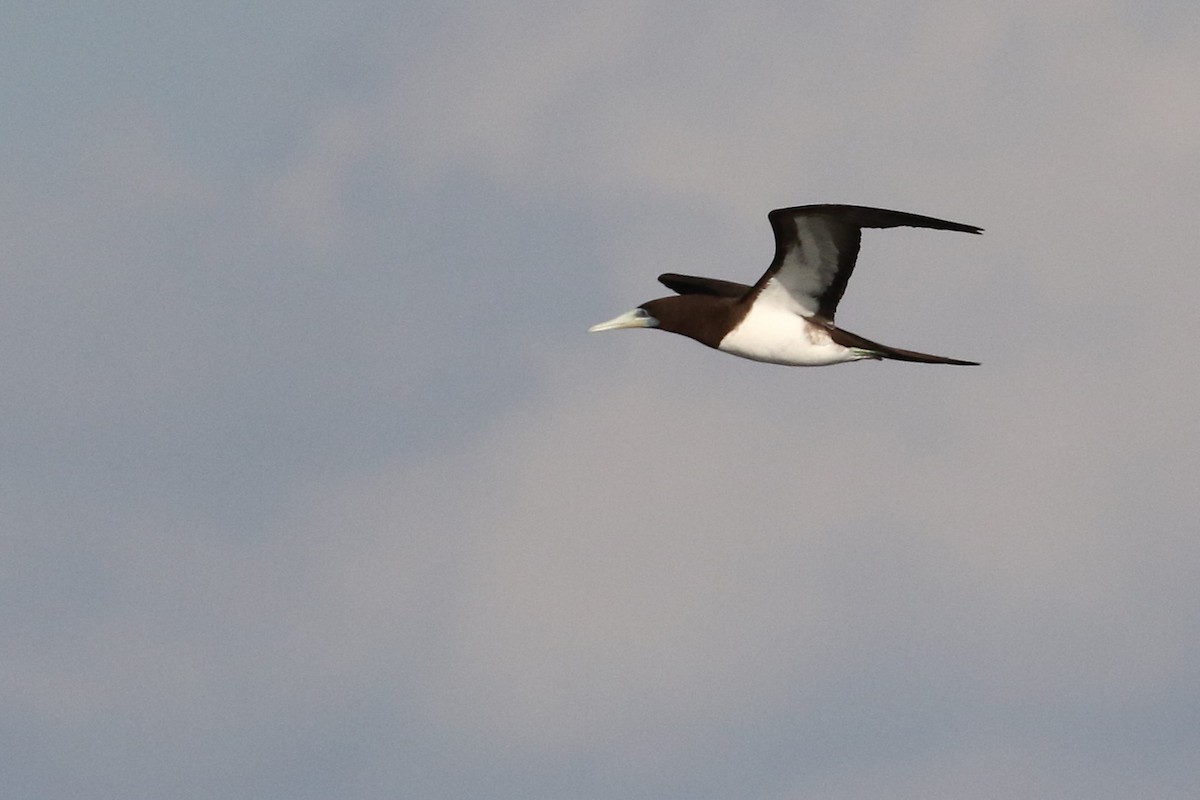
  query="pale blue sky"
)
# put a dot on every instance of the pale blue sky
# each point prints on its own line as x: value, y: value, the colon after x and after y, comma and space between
x: 314, y: 485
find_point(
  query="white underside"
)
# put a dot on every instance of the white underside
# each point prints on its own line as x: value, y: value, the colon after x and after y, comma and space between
x: 778, y: 335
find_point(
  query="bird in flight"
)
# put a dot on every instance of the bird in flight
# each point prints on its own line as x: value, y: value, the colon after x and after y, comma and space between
x: 787, y: 316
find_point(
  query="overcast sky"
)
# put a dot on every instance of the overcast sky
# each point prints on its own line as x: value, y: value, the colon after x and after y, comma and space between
x: 314, y: 486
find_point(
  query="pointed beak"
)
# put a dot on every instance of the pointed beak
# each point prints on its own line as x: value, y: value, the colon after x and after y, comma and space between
x: 638, y: 318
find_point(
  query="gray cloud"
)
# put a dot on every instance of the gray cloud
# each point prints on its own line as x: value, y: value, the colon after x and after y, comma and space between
x: 314, y: 484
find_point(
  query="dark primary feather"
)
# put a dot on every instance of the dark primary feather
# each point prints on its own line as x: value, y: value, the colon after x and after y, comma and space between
x: 867, y: 217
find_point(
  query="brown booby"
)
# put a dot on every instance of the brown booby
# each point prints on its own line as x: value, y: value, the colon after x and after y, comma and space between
x: 787, y: 316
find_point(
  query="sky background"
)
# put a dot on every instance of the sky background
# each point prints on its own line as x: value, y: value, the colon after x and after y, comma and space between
x: 314, y: 485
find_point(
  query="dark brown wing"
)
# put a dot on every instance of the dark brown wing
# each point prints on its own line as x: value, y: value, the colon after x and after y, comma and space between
x: 816, y: 247
x: 691, y: 284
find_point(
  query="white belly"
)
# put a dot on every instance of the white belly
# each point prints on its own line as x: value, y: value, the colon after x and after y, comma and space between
x: 781, y: 336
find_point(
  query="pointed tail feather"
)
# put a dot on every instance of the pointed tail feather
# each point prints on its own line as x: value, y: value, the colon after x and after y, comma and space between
x: 877, y: 350
x: 896, y: 354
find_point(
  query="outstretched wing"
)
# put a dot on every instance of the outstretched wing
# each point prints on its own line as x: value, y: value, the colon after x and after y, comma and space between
x: 691, y: 284
x: 816, y: 246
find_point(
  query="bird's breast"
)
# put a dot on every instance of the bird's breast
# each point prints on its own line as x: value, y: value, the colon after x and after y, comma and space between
x: 780, y: 336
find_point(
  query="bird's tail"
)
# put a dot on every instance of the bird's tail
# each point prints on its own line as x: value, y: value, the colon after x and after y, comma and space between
x: 877, y: 350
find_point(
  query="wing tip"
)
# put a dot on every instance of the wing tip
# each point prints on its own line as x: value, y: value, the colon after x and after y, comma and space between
x: 872, y: 217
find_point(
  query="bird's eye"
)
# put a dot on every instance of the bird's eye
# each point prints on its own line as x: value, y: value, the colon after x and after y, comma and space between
x: 641, y: 313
